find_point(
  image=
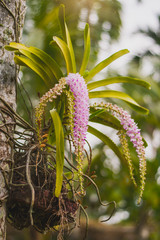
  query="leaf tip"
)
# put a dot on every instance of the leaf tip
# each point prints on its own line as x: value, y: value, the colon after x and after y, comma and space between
x: 61, y: 6
x: 127, y: 51
x: 87, y: 26
x: 53, y: 41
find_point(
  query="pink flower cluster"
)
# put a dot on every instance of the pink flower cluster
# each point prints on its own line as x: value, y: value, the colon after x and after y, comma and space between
x: 133, y: 133
x: 81, y: 108
x: 132, y: 130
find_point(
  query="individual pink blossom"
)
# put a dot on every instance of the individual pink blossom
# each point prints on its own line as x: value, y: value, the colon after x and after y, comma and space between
x: 81, y: 108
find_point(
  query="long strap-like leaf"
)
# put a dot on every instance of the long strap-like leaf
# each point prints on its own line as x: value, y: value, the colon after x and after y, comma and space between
x: 107, y: 141
x: 119, y: 79
x: 66, y: 53
x: 41, y: 65
x: 49, y: 61
x: 86, y: 49
x: 103, y: 117
x: 61, y: 18
x: 70, y: 46
x: 120, y: 95
x: 66, y: 35
x: 59, y: 150
x: 41, y: 58
x: 23, y: 61
x: 105, y: 63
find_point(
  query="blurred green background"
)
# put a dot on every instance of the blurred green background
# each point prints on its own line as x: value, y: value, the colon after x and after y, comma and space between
x: 105, y: 18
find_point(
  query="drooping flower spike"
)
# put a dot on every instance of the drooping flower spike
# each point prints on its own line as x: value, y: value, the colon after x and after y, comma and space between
x: 47, y: 97
x: 81, y: 116
x: 132, y: 131
x: 81, y: 108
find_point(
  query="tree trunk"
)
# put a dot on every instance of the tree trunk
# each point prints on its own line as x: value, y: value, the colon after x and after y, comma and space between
x: 11, y: 24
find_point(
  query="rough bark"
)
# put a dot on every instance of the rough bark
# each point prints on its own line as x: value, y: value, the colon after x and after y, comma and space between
x: 11, y: 24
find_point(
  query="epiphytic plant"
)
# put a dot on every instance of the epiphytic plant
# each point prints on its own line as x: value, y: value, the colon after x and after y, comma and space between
x: 71, y: 113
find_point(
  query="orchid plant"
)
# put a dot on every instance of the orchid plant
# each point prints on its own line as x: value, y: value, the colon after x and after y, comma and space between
x: 70, y: 94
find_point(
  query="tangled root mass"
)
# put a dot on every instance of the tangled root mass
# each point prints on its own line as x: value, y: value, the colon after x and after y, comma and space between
x: 48, y: 210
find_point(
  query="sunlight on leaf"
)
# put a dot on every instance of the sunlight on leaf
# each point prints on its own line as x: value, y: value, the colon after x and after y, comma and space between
x: 119, y: 79
x: 86, y: 49
x: 21, y: 60
x: 42, y: 59
x: 70, y: 47
x: 119, y: 95
x: 62, y: 21
x: 105, y: 63
x: 66, y: 35
x: 66, y: 53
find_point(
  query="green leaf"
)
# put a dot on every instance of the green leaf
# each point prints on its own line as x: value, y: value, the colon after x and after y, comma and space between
x: 95, y: 112
x: 66, y: 35
x: 119, y: 79
x: 40, y: 57
x: 105, y: 63
x: 21, y: 60
x: 37, y: 61
x: 86, y: 49
x: 62, y: 21
x: 59, y: 150
x: 119, y: 95
x: 107, y: 141
x: 103, y: 117
x: 51, y: 136
x: 10, y: 48
x: 49, y: 61
x: 66, y: 53
x: 70, y: 46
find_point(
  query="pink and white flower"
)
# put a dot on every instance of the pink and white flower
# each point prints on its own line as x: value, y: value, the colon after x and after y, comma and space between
x: 133, y: 132
x: 81, y: 108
